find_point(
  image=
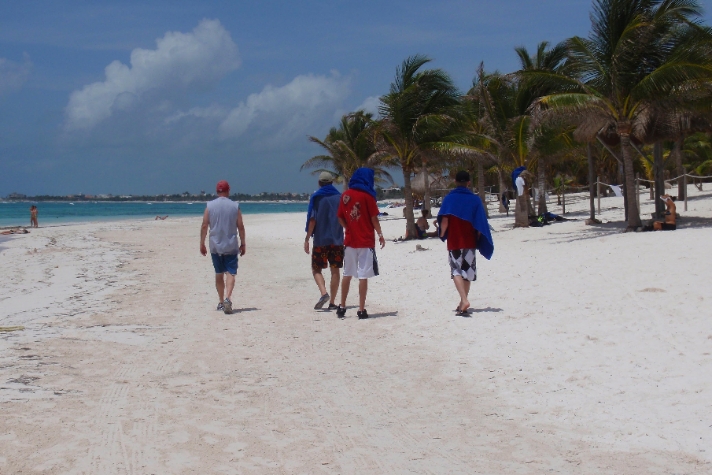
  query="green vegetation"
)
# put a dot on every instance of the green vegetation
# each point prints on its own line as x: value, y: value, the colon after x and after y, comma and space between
x: 643, y: 76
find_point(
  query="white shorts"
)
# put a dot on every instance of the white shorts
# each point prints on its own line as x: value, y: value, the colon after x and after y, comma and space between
x: 360, y: 262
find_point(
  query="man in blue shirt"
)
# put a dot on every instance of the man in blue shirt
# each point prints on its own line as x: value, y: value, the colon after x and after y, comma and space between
x: 328, y: 249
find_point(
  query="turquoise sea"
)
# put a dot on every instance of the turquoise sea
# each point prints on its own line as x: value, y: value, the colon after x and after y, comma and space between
x: 54, y: 213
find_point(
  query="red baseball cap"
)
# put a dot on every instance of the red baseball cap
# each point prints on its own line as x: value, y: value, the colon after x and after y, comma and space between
x: 222, y: 186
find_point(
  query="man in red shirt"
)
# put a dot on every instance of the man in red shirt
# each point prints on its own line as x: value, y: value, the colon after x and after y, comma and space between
x: 358, y: 214
x: 463, y: 223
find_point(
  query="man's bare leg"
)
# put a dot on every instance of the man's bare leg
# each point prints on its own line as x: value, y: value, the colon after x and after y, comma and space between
x: 319, y: 279
x: 220, y: 285
x: 463, y: 288
x: 230, y: 284
x: 345, y: 284
x: 362, y: 291
x: 335, y: 277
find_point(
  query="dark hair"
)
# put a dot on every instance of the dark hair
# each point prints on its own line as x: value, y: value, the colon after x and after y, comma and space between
x: 462, y: 177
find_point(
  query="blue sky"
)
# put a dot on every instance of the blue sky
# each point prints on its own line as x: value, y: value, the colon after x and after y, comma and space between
x: 171, y: 96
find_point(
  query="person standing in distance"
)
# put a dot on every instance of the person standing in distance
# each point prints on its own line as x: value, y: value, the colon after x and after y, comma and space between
x: 358, y: 214
x: 463, y: 224
x: 224, y: 219
x: 33, y: 217
x: 324, y: 226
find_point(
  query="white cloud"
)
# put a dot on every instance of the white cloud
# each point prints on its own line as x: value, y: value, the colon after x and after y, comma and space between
x: 370, y: 104
x: 13, y: 75
x: 180, y: 62
x: 215, y: 112
x: 289, y: 111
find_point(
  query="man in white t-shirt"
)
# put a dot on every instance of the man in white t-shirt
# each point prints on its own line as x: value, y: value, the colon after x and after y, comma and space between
x: 224, y: 220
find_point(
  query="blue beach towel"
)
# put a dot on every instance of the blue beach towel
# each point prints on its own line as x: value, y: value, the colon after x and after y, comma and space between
x: 363, y: 180
x: 515, y: 174
x: 327, y: 190
x: 464, y: 204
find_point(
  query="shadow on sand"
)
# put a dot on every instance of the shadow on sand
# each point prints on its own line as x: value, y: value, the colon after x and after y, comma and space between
x: 243, y: 310
x: 383, y: 314
x: 470, y: 311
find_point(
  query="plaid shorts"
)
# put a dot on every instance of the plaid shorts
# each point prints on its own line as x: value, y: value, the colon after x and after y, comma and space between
x: 327, y: 256
x: 463, y: 264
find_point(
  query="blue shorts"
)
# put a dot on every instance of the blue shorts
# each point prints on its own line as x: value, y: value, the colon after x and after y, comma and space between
x: 224, y: 263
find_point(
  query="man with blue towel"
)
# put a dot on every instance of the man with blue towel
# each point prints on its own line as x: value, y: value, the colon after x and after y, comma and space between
x: 463, y: 224
x: 324, y: 227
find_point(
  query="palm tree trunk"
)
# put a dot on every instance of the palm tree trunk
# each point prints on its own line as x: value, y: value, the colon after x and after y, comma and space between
x: 408, y: 194
x: 481, y: 185
x: 542, y: 187
x: 502, y: 209
x: 659, y: 179
x: 426, y: 184
x: 677, y: 150
x: 621, y: 170
x: 630, y: 191
x: 347, y: 178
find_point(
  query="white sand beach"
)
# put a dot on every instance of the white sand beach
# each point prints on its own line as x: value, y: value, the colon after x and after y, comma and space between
x: 588, y: 351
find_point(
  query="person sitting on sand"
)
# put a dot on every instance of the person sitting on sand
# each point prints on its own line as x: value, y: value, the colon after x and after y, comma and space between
x: 16, y: 231
x: 463, y: 224
x: 161, y: 217
x: 422, y: 225
x: 670, y: 223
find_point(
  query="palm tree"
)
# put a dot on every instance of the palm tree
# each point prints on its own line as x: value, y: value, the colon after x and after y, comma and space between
x: 416, y: 114
x: 495, y: 121
x: 546, y: 138
x: 348, y: 148
x: 697, y: 153
x: 637, y: 54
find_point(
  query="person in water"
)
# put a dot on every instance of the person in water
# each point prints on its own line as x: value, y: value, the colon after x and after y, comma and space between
x: 33, y: 217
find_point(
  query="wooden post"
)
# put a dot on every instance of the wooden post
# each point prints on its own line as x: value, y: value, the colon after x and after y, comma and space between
x: 598, y: 193
x: 592, y: 215
x: 637, y: 190
x: 563, y: 198
x: 684, y: 185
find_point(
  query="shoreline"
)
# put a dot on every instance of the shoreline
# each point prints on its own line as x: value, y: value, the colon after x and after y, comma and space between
x: 74, y: 219
x: 146, y: 201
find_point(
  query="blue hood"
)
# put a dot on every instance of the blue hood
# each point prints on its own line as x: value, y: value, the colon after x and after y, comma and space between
x: 363, y: 180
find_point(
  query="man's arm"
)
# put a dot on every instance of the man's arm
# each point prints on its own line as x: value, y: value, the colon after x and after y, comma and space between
x: 443, y: 226
x: 204, y: 232
x: 373, y: 210
x: 241, y: 232
x: 377, y: 227
x: 310, y: 232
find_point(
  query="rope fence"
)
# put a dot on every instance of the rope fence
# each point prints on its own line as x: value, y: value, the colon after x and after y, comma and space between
x: 492, y: 197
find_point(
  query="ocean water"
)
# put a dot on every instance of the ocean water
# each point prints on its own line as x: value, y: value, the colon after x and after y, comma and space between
x: 18, y: 213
